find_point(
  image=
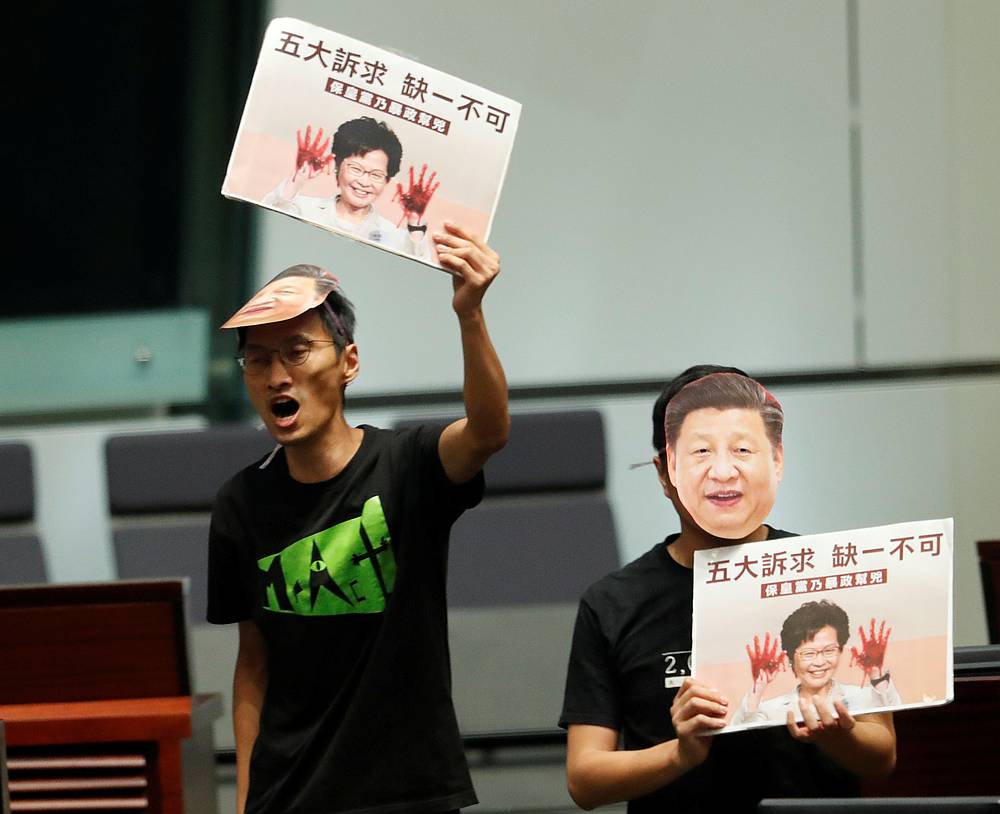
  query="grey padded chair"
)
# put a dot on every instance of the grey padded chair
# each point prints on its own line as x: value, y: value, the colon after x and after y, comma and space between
x: 161, y: 487
x: 21, y: 558
x: 518, y: 565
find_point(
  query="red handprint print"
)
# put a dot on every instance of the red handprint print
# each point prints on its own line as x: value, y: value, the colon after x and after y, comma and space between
x: 311, y: 157
x: 766, y: 661
x: 415, y: 199
x: 872, y: 653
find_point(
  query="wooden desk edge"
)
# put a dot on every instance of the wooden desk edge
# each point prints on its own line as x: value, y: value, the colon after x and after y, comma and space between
x: 125, y: 719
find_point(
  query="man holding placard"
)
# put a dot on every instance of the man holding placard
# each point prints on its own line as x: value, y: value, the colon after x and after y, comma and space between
x: 719, y: 456
x: 331, y: 554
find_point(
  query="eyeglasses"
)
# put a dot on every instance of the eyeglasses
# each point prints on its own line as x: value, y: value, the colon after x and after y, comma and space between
x: 294, y: 352
x: 828, y: 653
x: 357, y: 171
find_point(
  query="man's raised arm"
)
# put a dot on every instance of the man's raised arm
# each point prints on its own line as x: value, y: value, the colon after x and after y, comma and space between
x: 466, y: 444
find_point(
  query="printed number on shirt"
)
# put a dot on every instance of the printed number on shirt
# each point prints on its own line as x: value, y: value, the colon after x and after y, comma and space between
x: 676, y: 667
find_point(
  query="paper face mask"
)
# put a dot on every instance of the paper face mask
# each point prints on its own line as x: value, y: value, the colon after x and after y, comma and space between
x: 721, y: 460
x: 293, y: 292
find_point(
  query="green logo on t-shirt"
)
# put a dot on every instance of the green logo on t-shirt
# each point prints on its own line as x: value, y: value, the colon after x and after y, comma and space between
x: 348, y: 568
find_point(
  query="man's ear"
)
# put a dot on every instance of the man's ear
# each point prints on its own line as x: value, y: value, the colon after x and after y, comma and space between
x: 672, y: 467
x: 779, y: 461
x: 661, y: 470
x: 350, y: 363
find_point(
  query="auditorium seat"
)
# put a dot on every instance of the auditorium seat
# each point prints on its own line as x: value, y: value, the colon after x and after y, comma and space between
x: 161, y: 487
x: 518, y: 565
x: 21, y: 558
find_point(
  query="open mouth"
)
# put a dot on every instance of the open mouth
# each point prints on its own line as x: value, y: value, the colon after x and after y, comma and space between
x: 729, y: 497
x: 284, y: 409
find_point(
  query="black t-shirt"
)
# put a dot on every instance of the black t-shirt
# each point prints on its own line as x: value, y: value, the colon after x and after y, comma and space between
x: 346, y: 581
x: 632, y: 650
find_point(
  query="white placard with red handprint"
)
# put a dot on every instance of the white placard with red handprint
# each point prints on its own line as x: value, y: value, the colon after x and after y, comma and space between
x: 863, y: 617
x: 367, y: 144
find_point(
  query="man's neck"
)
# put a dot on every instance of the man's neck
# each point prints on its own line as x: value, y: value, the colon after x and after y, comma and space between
x: 693, y: 538
x: 318, y: 460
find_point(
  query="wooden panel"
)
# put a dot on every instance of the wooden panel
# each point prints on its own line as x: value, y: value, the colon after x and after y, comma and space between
x: 88, y: 652
x: 4, y: 799
x: 84, y: 593
x: 949, y: 750
x: 92, y: 642
x: 93, y: 721
x: 149, y: 754
x: 82, y: 777
x: 989, y: 568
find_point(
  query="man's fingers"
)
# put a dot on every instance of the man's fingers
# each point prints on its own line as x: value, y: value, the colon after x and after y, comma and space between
x: 695, y: 689
x: 466, y: 252
x: 794, y: 729
x: 844, y: 718
x: 809, y: 714
x: 699, y: 706
x: 702, y: 723
x: 456, y: 265
x: 485, y: 263
x: 825, y: 710
x: 449, y: 240
x: 461, y: 231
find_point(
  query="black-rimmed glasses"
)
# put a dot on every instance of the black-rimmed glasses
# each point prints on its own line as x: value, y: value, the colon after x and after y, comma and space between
x: 256, y: 360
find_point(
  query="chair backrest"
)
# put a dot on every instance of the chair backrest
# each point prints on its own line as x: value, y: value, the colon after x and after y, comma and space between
x: 161, y: 487
x: 518, y: 564
x: 544, y: 530
x: 21, y: 558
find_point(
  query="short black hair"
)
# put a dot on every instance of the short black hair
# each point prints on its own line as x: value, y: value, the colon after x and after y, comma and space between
x: 803, y: 624
x: 336, y: 311
x: 361, y: 136
x: 671, y: 389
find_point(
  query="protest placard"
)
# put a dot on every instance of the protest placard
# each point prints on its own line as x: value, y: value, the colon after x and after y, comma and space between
x: 416, y: 146
x: 864, y: 616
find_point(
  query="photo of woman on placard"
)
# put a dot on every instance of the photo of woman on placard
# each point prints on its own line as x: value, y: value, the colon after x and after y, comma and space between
x: 364, y: 158
x: 812, y: 645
